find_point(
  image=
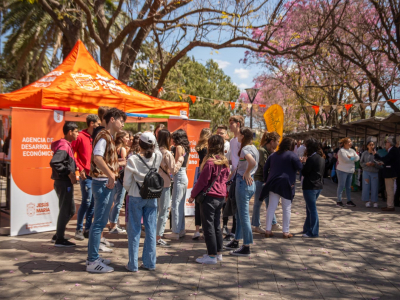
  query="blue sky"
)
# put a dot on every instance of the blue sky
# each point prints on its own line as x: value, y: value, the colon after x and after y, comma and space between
x: 228, y: 60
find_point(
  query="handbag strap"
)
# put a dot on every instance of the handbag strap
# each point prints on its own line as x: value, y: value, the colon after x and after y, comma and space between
x: 212, y: 184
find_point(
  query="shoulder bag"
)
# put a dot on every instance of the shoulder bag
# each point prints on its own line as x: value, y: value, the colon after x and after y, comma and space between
x: 200, y: 197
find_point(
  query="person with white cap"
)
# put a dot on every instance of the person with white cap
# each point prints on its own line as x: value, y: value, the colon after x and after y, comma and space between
x: 138, y: 166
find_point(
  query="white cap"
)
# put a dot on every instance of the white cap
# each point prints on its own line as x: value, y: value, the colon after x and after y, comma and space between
x: 148, y: 138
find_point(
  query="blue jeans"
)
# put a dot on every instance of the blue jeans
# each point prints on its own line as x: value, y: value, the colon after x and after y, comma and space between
x: 103, y: 199
x: 344, y: 181
x: 311, y: 225
x: 118, y: 201
x: 87, y: 205
x: 163, y: 204
x: 243, y: 193
x: 370, y: 182
x: 178, y: 201
x: 138, y: 208
x: 255, y: 218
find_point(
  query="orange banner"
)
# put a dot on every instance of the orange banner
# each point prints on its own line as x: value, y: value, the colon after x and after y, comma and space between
x: 34, y: 203
x: 193, y: 129
x: 274, y: 119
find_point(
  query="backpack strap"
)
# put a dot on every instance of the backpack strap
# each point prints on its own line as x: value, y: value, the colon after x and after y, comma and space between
x: 143, y: 161
x: 152, y: 167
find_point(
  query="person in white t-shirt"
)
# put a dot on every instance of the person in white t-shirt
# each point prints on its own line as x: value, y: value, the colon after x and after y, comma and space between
x: 235, y: 123
x: 104, y: 170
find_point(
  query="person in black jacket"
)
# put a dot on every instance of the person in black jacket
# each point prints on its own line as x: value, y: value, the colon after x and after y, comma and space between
x: 63, y: 173
x: 391, y: 168
x: 313, y: 173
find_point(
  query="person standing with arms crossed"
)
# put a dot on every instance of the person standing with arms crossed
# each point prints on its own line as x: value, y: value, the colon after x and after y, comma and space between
x: 83, y: 149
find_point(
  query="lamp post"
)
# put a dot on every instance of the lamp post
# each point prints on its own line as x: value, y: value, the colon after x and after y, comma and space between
x: 251, y: 93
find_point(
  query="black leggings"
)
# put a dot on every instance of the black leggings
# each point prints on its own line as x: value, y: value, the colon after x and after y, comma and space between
x: 197, y: 214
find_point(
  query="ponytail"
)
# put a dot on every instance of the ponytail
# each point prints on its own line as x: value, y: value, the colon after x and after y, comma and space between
x: 149, y: 149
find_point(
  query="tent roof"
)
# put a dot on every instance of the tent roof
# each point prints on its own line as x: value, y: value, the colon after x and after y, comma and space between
x: 79, y: 84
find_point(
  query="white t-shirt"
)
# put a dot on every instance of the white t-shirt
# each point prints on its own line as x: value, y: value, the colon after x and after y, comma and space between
x: 227, y: 147
x: 234, y: 152
x: 99, y: 150
x: 242, y: 165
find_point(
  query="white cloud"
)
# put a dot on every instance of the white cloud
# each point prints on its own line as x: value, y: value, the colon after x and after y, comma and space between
x: 222, y: 63
x: 242, y: 73
x: 242, y: 86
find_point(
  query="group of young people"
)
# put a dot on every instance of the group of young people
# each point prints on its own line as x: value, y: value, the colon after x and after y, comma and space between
x: 112, y: 163
x: 229, y: 177
x: 384, y: 163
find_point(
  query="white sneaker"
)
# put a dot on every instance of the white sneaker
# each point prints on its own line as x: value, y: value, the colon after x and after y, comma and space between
x: 258, y: 229
x: 79, y: 235
x: 276, y: 227
x: 305, y: 235
x: 206, y: 260
x: 98, y: 266
x: 219, y: 257
x: 103, y: 260
x: 104, y: 248
x: 196, y: 236
x: 117, y: 230
x: 172, y: 236
x: 368, y: 204
x: 182, y: 233
x: 376, y: 205
x: 106, y: 242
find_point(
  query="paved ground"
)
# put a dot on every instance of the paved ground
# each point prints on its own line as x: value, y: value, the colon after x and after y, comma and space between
x: 356, y: 257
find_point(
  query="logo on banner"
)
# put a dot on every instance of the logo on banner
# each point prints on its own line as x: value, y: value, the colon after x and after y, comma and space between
x: 30, y: 209
x: 183, y: 113
x: 85, y: 81
x: 111, y: 85
x: 58, y: 116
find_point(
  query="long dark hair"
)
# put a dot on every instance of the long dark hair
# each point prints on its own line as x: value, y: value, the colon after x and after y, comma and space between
x: 247, y: 137
x: 135, y: 145
x: 149, y: 149
x: 216, y: 147
x: 164, y: 139
x: 312, y: 145
x: 287, y: 144
x: 180, y: 138
x: 119, y: 139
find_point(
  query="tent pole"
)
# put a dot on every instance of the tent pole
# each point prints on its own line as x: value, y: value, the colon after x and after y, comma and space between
x: 379, y: 135
x: 365, y: 135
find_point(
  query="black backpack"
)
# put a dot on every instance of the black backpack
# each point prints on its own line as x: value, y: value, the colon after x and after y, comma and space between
x: 153, y: 183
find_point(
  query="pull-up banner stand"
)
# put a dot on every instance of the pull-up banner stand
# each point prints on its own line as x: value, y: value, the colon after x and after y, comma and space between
x: 193, y: 129
x: 34, y: 203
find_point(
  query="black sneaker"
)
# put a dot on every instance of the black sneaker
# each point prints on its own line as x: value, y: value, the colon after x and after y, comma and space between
x: 350, y: 203
x: 64, y: 244
x: 339, y: 204
x: 86, y: 234
x: 225, y: 230
x: 242, y: 251
x: 232, y: 245
x: 162, y: 243
x: 54, y: 238
x: 143, y: 267
x: 229, y: 237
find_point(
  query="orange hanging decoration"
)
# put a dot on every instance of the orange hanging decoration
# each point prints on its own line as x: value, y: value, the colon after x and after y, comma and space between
x: 263, y: 105
x: 193, y: 98
x: 316, y: 109
x: 393, y: 100
x: 348, y: 106
x: 232, y: 105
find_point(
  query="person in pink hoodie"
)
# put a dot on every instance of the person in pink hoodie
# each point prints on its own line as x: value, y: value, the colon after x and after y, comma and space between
x: 63, y: 173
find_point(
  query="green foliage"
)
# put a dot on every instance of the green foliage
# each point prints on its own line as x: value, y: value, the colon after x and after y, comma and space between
x: 191, y: 78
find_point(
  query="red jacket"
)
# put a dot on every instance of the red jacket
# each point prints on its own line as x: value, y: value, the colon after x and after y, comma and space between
x: 83, y: 149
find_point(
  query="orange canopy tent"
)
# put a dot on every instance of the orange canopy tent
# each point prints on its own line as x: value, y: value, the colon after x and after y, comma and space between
x: 80, y: 85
